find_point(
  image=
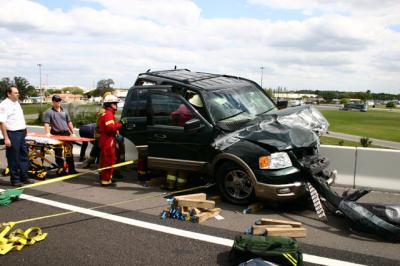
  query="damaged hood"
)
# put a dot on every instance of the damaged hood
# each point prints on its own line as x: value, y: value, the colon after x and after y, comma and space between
x: 286, y: 129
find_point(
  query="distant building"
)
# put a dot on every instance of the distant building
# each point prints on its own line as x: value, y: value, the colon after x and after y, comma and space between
x: 297, y: 98
x: 58, y: 87
x: 355, y: 100
x: 67, y: 97
x: 120, y: 93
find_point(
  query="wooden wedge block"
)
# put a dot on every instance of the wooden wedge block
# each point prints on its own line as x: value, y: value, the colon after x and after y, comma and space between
x: 266, y: 221
x: 258, y: 230
x: 261, y: 229
x: 207, y: 215
x: 204, y: 204
x: 290, y: 232
x: 197, y: 196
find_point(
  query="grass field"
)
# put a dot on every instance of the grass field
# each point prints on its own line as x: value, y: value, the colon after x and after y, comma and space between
x: 377, y: 124
x: 34, y: 108
x: 341, y: 142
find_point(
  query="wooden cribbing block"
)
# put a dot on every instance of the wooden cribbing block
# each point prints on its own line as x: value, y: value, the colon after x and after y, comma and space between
x: 290, y: 232
x: 208, y: 214
x: 266, y: 221
x: 196, y: 210
x: 197, y: 196
x: 261, y: 229
x: 203, y: 204
x: 216, y: 199
x: 185, y: 211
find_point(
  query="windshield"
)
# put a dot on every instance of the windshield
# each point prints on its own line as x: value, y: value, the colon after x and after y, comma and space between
x: 235, y: 104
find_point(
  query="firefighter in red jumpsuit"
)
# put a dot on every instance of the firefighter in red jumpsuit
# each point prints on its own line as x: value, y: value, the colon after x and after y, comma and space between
x: 108, y: 129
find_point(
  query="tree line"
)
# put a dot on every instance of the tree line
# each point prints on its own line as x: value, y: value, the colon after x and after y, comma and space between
x: 106, y: 85
x: 363, y: 96
x: 23, y: 85
x: 27, y: 90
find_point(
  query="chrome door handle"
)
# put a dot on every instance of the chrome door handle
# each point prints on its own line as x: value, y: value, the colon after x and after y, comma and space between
x: 130, y: 126
x: 160, y: 136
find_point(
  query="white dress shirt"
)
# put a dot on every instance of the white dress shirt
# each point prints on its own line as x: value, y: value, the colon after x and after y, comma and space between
x: 11, y: 115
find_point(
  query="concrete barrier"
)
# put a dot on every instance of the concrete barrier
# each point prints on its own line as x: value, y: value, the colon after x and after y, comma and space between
x: 342, y: 159
x: 378, y: 168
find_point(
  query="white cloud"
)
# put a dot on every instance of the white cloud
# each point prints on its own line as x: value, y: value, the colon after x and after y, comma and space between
x: 171, y: 12
x: 122, y: 38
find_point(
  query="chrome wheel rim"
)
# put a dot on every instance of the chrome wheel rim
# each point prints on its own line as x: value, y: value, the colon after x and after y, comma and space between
x: 238, y: 184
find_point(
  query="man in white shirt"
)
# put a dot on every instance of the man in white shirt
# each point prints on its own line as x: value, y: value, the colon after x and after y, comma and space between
x: 13, y: 127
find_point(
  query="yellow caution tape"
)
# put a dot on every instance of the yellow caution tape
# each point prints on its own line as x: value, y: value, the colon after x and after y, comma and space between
x: 45, y: 182
x: 165, y: 194
x: 19, y: 238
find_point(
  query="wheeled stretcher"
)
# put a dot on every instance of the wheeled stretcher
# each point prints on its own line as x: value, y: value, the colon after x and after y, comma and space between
x: 42, y: 157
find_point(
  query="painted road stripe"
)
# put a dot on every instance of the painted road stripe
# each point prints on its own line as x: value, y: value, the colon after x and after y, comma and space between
x: 169, y: 230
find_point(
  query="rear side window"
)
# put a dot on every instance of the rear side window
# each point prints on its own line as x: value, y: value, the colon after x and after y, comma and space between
x: 169, y: 111
x: 137, y: 104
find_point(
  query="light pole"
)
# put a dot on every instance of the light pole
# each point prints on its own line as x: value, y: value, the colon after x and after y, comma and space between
x: 262, y: 73
x: 40, y: 85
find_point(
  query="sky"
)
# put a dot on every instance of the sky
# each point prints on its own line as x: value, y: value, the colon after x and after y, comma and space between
x: 345, y: 45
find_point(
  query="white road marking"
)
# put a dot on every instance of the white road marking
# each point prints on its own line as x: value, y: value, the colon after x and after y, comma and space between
x: 170, y: 230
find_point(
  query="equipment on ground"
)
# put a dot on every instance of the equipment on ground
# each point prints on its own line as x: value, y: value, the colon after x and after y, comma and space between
x: 276, y: 249
x: 193, y: 207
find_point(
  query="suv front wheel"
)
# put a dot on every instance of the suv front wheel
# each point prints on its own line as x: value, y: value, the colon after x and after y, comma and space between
x: 234, y: 183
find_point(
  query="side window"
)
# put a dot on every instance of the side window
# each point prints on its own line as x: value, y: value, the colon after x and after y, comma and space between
x: 169, y: 111
x: 137, y: 104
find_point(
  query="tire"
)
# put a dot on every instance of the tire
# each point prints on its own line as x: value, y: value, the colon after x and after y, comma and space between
x: 234, y: 184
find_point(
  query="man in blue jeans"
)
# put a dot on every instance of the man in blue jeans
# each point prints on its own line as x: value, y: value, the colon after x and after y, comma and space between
x: 13, y: 128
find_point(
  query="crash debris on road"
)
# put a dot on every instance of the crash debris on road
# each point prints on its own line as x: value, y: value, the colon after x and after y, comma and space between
x: 194, y: 207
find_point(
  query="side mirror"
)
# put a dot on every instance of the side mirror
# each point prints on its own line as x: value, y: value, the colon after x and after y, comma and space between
x: 193, y: 126
x: 282, y: 104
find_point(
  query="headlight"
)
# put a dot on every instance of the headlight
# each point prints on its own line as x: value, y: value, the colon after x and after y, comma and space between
x: 276, y: 160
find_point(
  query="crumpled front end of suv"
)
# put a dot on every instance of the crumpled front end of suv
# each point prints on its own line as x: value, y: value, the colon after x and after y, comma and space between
x: 274, y: 146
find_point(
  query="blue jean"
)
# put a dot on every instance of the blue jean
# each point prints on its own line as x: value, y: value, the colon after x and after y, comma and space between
x: 17, y: 156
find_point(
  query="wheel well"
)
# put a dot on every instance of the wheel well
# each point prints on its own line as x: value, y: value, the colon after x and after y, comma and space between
x: 231, y: 158
x: 218, y: 164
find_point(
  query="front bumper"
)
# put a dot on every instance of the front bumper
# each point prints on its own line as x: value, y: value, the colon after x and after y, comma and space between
x: 290, y: 190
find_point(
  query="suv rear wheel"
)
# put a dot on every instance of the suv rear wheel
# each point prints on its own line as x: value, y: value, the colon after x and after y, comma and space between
x: 234, y: 183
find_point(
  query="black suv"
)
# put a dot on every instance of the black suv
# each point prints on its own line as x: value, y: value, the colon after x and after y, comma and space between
x: 224, y: 127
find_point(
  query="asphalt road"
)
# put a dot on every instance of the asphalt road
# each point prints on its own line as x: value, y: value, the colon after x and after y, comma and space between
x: 123, y: 239
x: 131, y: 232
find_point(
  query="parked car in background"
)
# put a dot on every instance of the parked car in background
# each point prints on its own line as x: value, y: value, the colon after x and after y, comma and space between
x: 362, y: 107
x: 231, y: 132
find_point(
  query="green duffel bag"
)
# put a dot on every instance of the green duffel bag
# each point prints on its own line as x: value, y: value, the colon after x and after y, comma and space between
x: 276, y: 249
